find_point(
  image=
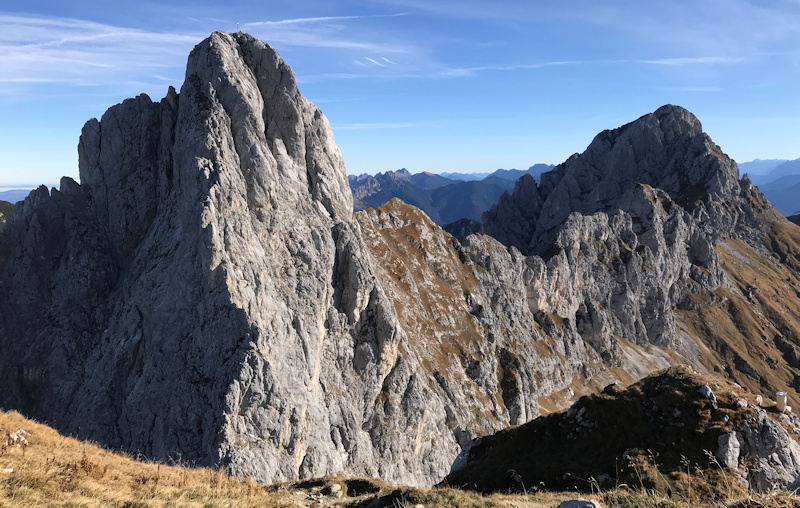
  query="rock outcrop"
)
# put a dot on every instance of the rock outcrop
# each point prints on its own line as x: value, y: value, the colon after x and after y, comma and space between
x: 646, y: 434
x: 665, y: 150
x: 207, y: 294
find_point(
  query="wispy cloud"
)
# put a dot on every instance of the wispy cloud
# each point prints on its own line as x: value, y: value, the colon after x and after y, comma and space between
x: 378, y: 70
x: 432, y: 72
x: 470, y: 71
x: 379, y: 64
x: 733, y: 28
x: 321, y: 32
x: 79, y: 52
x: 46, y: 50
x: 705, y: 60
x: 321, y: 19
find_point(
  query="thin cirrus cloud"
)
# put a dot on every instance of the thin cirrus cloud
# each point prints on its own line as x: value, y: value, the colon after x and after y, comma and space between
x: 447, y: 72
x: 433, y: 72
x: 47, y: 50
x: 677, y: 62
x: 82, y: 53
x: 312, y: 20
x: 321, y: 32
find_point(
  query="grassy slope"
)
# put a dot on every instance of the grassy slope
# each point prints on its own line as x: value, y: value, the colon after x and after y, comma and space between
x: 663, y: 416
x: 56, y: 470
x: 642, y: 416
x: 60, y: 471
x: 751, y: 328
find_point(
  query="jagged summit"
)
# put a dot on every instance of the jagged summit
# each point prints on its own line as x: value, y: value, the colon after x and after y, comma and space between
x: 666, y: 149
x: 195, y: 288
x: 206, y: 294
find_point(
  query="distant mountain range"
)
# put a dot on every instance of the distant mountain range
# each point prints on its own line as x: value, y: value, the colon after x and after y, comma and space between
x: 779, y: 180
x: 444, y: 198
x: 14, y: 195
x: 760, y: 166
x: 508, y: 174
x: 449, y: 197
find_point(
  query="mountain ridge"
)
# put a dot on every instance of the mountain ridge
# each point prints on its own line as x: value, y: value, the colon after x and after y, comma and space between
x: 443, y: 199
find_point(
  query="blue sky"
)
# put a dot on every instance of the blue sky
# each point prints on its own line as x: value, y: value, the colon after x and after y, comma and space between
x: 431, y: 86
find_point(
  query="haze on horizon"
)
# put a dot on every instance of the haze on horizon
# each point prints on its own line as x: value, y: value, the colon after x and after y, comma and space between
x: 449, y: 86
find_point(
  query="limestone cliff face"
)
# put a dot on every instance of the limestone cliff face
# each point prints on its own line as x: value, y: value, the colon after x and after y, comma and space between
x: 203, y: 294
x: 649, y: 236
x: 623, y: 234
x: 667, y: 150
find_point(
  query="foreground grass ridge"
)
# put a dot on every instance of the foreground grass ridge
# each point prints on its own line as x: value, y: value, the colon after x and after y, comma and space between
x: 55, y: 470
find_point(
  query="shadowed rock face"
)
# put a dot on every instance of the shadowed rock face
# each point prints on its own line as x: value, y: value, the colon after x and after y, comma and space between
x: 206, y: 293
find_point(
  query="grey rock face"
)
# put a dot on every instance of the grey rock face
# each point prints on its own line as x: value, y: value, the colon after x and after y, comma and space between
x: 204, y: 293
x: 706, y: 393
x: 729, y: 450
x: 579, y: 503
x: 623, y: 234
x: 772, y: 457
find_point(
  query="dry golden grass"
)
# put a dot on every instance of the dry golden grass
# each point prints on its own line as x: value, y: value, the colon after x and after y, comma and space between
x: 60, y: 471
x: 753, y: 325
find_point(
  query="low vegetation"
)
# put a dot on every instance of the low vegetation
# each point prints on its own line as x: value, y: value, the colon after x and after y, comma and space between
x: 654, y: 439
x: 60, y: 471
x: 54, y: 470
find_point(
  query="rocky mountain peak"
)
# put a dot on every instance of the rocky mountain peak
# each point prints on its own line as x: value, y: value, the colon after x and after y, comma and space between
x: 666, y: 149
